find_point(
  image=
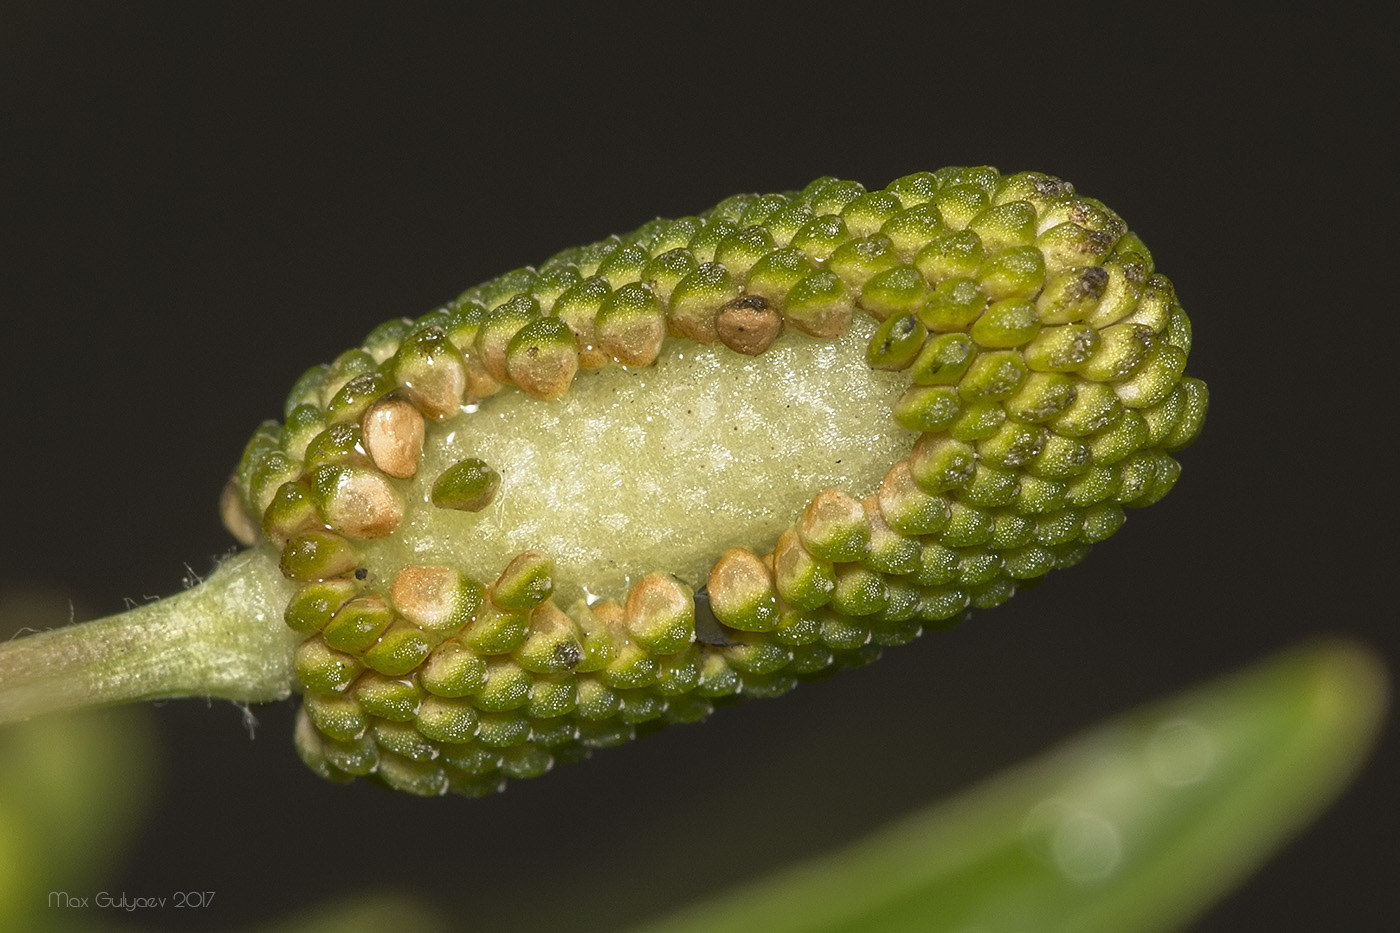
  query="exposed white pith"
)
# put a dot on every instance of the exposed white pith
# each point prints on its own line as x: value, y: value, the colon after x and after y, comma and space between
x: 660, y: 468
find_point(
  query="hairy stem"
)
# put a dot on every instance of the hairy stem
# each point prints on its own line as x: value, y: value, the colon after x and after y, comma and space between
x: 223, y: 638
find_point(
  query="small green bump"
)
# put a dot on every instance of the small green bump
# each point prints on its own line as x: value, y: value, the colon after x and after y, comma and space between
x: 906, y: 506
x: 641, y: 706
x: 587, y: 258
x: 664, y: 273
x: 752, y: 655
x: 265, y: 477
x: 967, y: 527
x: 1028, y: 562
x: 453, y: 670
x: 1120, y: 295
x: 960, y: 203
x: 403, y: 740
x: 578, y: 307
x: 818, y: 305
x: 768, y: 686
x: 1005, y: 324
x: 444, y: 720
x: 940, y: 463
x: 798, y: 626
x: 555, y: 283
x: 890, y: 551
x: 464, y: 319
x: 860, y: 591
x: 608, y: 734
x: 777, y: 273
x: 993, y: 594
x: 542, y: 358
x: 322, y: 669
x: 338, y: 716
x: 1194, y: 402
x: 1126, y: 435
x: 952, y: 255
x: 596, y: 700
x: 803, y: 581
x: 978, y: 420
x: 1014, y: 273
x: 915, y: 189
x: 312, y: 606
x: 834, y: 527
x: 1060, y: 527
x: 1158, y: 374
x: 717, y: 677
x: 496, y: 630
x: 868, y: 213
x: 896, y: 343
x: 290, y: 513
x: 1035, y: 188
x: 347, y: 366
x: 624, y: 265
x: 762, y: 208
x: 943, y: 360
x: 710, y: 236
x: 399, y: 650
x: 526, y: 582
x: 991, y: 487
x: 497, y: 331
x: 507, y: 686
x: 359, y: 757
x: 912, y: 230
x: 902, y: 606
x: 357, y: 395
x: 1010, y: 530
x: 508, y: 285
x: 1060, y: 458
x: 358, y: 623
x: 954, y: 305
x: 940, y: 603
x: 1068, y: 245
x: 1094, y: 485
x: 1041, y: 397
x: 631, y: 325
x: 307, y: 389
x: 927, y: 408
x: 977, y: 566
x: 1061, y: 349
x: 1013, y: 446
x: 471, y: 758
x: 978, y: 176
x: 835, y: 195
x: 897, y: 291
x: 526, y: 761
x: 660, y: 614
x: 1004, y: 226
x: 742, y: 592
x: 858, y: 261
x: 468, y: 486
x: 1072, y: 295
x: 1122, y: 349
x: 731, y: 208
x: 842, y: 632
x: 632, y: 668
x: 393, y: 698
x: 554, y: 732
x: 1156, y: 304
x: 339, y: 443
x: 358, y: 502
x: 1178, y: 330
x: 1095, y: 407
x: 784, y: 224
x: 995, y: 375
x: 603, y: 628
x: 318, y: 555
x: 554, y: 644
x: 741, y: 250
x: 938, y: 564
x: 678, y: 674
x: 697, y: 298
x: 431, y: 368
x: 303, y: 424
x: 1040, y: 496
x: 821, y: 237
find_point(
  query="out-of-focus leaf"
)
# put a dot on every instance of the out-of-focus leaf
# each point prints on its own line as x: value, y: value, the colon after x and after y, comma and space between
x: 1140, y: 824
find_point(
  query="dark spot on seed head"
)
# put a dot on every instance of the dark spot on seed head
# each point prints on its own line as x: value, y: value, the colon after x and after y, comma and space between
x: 361, y: 573
x: 567, y: 654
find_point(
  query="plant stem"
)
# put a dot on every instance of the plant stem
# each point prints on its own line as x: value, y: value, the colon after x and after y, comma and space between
x: 223, y: 638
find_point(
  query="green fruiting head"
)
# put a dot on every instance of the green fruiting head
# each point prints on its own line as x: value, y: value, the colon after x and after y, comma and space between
x: 705, y: 460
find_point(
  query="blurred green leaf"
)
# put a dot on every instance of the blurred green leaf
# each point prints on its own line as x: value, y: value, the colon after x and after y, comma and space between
x: 1139, y: 824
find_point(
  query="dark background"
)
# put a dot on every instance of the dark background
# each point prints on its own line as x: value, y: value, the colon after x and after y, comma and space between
x: 198, y: 201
